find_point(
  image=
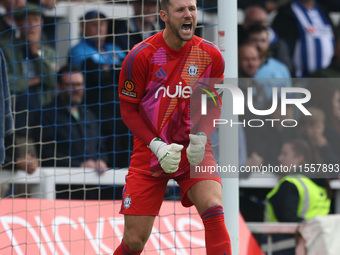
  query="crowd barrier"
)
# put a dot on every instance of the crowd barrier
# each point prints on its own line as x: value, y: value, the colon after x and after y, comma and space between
x: 43, y: 180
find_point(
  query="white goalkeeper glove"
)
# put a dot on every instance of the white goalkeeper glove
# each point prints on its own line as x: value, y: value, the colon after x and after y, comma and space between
x: 168, y: 156
x: 196, y: 148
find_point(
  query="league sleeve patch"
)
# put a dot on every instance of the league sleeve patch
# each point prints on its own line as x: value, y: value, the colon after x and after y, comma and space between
x: 129, y: 89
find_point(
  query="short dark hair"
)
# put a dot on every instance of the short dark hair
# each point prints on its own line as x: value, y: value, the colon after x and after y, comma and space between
x: 67, y: 69
x: 255, y: 29
x: 164, y: 4
x: 302, y: 148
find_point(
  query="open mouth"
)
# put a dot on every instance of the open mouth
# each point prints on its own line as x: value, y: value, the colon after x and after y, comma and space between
x: 187, y: 26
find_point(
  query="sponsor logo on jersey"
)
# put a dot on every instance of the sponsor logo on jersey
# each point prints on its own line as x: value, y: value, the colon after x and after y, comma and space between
x: 192, y: 70
x: 180, y: 92
x: 129, y: 89
x: 127, y: 202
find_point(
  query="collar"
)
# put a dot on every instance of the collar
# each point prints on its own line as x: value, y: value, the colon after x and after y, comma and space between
x: 297, y: 2
x: 91, y: 42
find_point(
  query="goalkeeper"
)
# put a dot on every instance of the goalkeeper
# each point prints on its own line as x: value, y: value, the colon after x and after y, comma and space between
x: 155, y: 89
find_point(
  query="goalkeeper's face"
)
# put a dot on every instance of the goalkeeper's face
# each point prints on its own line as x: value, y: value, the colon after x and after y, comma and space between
x: 182, y: 18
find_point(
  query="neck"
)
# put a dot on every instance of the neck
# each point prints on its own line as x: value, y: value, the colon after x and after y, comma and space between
x: 309, y: 4
x: 100, y: 43
x: 172, y: 40
x: 34, y: 47
x: 97, y: 43
x: 242, y: 74
x: 73, y: 109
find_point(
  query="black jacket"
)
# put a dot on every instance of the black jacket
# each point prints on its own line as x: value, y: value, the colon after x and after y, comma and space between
x: 75, y: 141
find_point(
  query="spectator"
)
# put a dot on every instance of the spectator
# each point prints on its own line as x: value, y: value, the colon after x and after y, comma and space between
x: 7, y: 145
x: 249, y: 63
x: 296, y: 197
x: 7, y: 22
x: 70, y: 132
x: 254, y: 14
x: 312, y: 127
x: 277, y: 47
x: 99, y: 60
x: 93, y: 46
x: 31, y: 74
x: 142, y: 25
x: 327, y: 98
x: 307, y: 30
x: 257, y: 35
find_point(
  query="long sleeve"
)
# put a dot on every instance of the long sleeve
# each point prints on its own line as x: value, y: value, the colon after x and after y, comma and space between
x: 7, y: 95
x: 6, y: 121
x: 44, y: 68
x: 18, y: 83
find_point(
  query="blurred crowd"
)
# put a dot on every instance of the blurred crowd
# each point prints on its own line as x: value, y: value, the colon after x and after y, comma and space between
x: 299, y: 47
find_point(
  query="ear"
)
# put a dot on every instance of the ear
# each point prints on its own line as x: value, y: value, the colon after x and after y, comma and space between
x: 164, y: 15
